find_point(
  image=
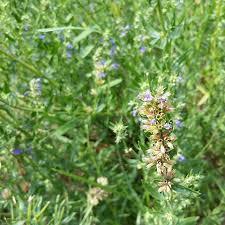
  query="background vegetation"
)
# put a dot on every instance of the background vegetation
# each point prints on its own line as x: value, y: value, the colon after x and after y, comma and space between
x: 61, y: 127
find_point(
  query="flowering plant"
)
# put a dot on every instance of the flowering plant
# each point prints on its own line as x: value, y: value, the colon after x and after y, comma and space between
x: 155, y: 120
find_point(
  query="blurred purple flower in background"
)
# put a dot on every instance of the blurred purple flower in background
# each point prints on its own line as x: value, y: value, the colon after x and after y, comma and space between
x: 167, y: 126
x: 69, y: 46
x: 147, y: 96
x: 178, y: 123
x: 115, y: 66
x: 113, y: 51
x: 42, y: 37
x: 17, y: 151
x: 181, y: 158
x: 153, y: 121
x: 68, y: 54
x: 101, y: 75
x: 102, y: 62
x: 143, y: 49
x: 125, y: 30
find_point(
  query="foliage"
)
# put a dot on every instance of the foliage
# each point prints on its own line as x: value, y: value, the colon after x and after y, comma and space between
x: 70, y: 73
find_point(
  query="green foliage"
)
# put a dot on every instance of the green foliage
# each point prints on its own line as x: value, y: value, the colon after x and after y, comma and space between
x: 70, y: 73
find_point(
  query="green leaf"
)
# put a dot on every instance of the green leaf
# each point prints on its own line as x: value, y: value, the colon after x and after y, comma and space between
x: 84, y: 34
x: 111, y: 83
x: 86, y: 51
x: 64, y: 128
x: 52, y: 29
x: 189, y: 220
x: 21, y: 222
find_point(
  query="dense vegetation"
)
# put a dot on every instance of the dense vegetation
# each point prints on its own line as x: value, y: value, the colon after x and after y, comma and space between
x: 74, y: 76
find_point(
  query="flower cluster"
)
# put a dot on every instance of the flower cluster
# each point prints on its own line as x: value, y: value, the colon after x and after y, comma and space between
x: 97, y: 194
x: 104, y: 58
x: 155, y: 111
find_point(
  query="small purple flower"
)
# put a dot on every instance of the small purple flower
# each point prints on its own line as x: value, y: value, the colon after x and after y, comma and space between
x: 143, y: 49
x: 26, y: 93
x: 167, y: 126
x: 113, y: 51
x: 134, y: 113
x: 123, y: 33
x: 101, y: 75
x: 125, y: 30
x: 69, y: 54
x: 163, y: 98
x: 153, y: 121
x: 102, y: 62
x: 181, y: 158
x: 145, y: 127
x: 115, y: 66
x: 178, y: 123
x: 17, y: 151
x: 42, y: 37
x: 147, y: 96
x: 69, y: 46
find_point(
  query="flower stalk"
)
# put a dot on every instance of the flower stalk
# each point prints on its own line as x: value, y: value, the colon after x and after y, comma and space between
x: 155, y: 120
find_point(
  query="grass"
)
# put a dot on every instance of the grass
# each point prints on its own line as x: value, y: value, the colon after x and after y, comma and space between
x: 73, y: 127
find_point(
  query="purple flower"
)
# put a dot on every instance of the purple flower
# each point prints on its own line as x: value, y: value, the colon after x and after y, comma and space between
x: 125, y: 30
x: 115, y: 66
x: 134, y: 113
x: 123, y: 33
x: 26, y: 93
x: 102, y: 62
x: 163, y: 98
x: 101, y: 75
x: 17, y: 151
x: 113, y: 51
x: 181, y: 158
x: 69, y: 54
x: 167, y: 126
x: 143, y: 49
x: 147, y: 96
x: 153, y: 121
x: 178, y: 123
x: 42, y: 37
x: 69, y: 46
